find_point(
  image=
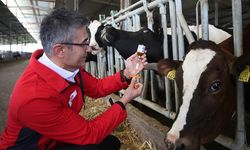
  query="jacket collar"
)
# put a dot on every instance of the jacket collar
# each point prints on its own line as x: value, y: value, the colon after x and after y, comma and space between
x: 68, y: 75
x: 49, y: 76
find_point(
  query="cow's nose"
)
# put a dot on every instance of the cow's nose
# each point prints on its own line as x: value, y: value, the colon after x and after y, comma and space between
x: 184, y: 144
x: 180, y: 146
x: 92, y: 44
x: 170, y: 141
x: 169, y: 145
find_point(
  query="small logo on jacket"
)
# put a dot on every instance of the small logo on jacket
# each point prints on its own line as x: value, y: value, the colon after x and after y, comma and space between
x: 71, y: 98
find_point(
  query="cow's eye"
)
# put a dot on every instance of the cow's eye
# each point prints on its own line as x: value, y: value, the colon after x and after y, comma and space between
x: 215, y: 86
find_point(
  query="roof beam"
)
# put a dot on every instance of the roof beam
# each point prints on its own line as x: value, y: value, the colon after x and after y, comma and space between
x: 50, y: 1
x: 31, y: 7
x: 106, y: 2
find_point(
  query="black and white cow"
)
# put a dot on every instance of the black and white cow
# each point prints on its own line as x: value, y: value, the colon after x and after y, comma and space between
x: 205, y: 80
x: 125, y: 42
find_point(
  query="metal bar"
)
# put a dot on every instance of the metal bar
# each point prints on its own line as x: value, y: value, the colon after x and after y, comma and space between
x: 163, y: 13
x: 10, y: 39
x: 105, y: 2
x: 110, y: 60
x: 156, y: 107
x: 240, y: 140
x: 137, y: 26
x: 34, y: 11
x: 138, y: 11
x: 180, y: 41
x: 216, y: 13
x: 183, y: 22
x: 31, y: 7
x: 172, y: 12
x: 93, y: 68
x: 50, y: 1
x: 76, y: 5
x: 124, y: 10
x: 227, y: 142
x: 117, y: 61
x: 204, y: 19
x: 87, y: 66
x: 197, y: 20
x: 150, y: 22
x: 102, y: 64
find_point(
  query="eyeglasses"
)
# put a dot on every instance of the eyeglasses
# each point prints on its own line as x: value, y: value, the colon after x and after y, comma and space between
x: 83, y: 45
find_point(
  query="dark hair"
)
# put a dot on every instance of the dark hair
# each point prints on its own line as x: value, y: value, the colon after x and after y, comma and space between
x: 60, y: 26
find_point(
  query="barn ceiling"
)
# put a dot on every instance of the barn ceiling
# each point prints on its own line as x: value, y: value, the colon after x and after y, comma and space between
x: 20, y: 19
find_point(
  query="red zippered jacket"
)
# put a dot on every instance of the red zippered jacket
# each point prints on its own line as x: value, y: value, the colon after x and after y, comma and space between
x: 39, y: 114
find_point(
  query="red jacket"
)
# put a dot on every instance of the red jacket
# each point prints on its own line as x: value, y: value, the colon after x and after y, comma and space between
x: 39, y: 114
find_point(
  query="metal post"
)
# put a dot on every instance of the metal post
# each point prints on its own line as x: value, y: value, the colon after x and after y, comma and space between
x: 204, y: 19
x: 76, y: 5
x: 150, y: 22
x: 183, y: 22
x: 240, y: 141
x: 87, y: 66
x: 197, y: 20
x: 163, y: 13
x: 172, y: 12
x: 110, y: 60
x: 93, y: 68
x: 216, y: 13
x: 173, y: 19
x: 10, y: 39
x: 137, y: 11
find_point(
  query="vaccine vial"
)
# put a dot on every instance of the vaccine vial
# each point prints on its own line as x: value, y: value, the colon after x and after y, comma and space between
x: 140, y: 50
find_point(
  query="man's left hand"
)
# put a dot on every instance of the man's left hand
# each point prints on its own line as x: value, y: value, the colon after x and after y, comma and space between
x: 134, y: 64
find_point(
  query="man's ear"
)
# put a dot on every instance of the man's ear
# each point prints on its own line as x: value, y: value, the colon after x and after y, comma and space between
x: 58, y: 50
x: 241, y: 68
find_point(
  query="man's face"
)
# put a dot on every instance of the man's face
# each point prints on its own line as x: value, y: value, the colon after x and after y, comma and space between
x: 76, y: 52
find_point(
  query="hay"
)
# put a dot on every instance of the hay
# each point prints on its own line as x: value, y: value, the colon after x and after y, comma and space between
x: 127, y: 135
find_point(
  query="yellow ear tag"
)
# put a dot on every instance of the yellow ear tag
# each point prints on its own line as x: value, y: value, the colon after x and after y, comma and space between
x: 171, y: 74
x: 245, y: 75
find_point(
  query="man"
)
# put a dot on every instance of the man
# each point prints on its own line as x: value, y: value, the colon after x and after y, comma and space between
x: 45, y: 104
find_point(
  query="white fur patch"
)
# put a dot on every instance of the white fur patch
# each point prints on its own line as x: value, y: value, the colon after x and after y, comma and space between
x: 194, y: 64
x: 215, y: 34
x: 93, y: 30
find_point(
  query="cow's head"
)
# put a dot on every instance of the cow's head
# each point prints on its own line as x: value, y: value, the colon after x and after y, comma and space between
x: 101, y: 35
x: 207, y: 90
x: 95, y: 28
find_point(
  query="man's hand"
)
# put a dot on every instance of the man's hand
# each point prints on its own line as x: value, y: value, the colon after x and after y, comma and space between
x: 134, y: 64
x: 133, y: 90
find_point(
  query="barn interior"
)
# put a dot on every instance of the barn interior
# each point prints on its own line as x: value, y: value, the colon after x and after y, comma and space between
x: 20, y: 21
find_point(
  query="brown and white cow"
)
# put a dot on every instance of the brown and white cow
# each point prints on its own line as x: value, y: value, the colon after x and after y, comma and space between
x: 206, y: 84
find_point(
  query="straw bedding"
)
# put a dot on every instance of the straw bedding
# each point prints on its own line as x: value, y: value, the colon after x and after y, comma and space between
x: 126, y: 134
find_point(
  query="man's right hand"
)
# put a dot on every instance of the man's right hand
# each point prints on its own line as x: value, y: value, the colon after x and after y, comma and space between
x: 133, y: 91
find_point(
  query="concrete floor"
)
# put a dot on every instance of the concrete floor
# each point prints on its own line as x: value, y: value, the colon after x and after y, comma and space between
x: 9, y: 73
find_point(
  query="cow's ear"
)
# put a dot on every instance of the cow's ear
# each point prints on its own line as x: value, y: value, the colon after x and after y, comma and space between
x: 168, y: 67
x: 165, y: 67
x: 241, y: 68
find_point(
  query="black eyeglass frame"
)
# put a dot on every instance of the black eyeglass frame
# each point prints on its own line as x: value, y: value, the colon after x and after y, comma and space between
x: 77, y: 44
